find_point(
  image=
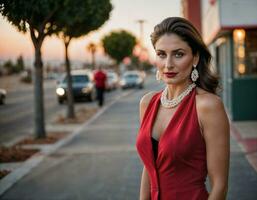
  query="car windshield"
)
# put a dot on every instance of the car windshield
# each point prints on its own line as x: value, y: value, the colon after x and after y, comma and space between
x: 78, y: 79
x: 131, y: 76
x: 110, y: 76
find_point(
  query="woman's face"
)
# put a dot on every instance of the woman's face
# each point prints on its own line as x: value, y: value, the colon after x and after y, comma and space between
x: 174, y: 59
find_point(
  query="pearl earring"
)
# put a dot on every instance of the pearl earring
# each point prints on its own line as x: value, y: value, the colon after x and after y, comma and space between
x: 194, y: 74
x: 158, y: 76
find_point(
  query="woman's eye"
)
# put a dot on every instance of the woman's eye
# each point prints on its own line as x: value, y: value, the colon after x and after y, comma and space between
x: 179, y: 54
x: 161, y: 55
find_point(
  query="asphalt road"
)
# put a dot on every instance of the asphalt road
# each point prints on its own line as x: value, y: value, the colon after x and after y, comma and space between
x: 17, y: 115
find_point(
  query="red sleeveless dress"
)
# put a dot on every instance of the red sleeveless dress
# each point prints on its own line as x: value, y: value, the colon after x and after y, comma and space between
x: 180, y: 169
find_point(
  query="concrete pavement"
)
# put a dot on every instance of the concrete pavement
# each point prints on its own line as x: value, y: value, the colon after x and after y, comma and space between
x: 99, y: 163
x: 242, y: 176
x: 245, y: 133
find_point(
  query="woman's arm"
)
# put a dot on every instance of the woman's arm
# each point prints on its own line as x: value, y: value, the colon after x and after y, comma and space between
x: 215, y: 127
x: 145, y: 188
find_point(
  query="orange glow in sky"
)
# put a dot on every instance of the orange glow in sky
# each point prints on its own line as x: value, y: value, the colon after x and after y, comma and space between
x: 124, y: 16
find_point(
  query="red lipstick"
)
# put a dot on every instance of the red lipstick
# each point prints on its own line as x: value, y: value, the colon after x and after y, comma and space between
x: 170, y: 74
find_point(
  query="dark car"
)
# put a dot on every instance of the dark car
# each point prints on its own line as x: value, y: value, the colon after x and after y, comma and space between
x: 82, y: 86
x: 2, y: 96
x: 132, y: 79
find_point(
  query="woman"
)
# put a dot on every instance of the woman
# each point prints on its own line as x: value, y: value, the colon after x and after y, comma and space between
x: 184, y: 132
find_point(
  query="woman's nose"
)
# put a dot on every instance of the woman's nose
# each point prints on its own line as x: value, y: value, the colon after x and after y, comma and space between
x: 169, y: 63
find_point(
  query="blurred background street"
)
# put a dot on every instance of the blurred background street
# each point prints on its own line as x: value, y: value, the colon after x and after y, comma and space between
x: 16, y: 117
x: 102, y: 163
x: 49, y: 53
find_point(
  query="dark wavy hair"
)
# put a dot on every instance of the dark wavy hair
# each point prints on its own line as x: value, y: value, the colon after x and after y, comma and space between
x: 187, y: 32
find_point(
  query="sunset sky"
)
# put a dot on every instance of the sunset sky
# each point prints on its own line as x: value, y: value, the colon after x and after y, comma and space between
x: 124, y: 16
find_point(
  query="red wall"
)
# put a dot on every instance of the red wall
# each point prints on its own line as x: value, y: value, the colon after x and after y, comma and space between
x: 192, y: 11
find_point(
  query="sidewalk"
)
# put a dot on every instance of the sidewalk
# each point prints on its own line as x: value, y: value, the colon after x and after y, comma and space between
x: 99, y: 161
x: 242, y: 174
x: 245, y: 133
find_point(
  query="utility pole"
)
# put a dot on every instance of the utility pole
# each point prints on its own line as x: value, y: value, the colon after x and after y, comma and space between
x: 141, y: 41
x: 141, y: 26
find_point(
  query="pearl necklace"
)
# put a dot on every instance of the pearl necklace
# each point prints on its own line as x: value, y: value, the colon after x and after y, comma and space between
x: 174, y: 102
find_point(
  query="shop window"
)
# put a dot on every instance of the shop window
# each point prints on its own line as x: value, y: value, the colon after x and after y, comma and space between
x: 245, y: 52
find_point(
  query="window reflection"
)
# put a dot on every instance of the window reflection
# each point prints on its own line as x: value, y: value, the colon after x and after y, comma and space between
x: 245, y: 52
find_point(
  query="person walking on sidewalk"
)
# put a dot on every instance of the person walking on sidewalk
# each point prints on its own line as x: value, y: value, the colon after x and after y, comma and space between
x: 100, y: 78
x: 184, y: 131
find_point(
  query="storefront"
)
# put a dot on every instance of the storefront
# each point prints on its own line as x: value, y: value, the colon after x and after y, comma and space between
x: 230, y: 30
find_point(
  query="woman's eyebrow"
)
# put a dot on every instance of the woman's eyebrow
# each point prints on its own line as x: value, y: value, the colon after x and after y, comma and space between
x: 179, y: 49
x: 160, y: 50
x: 175, y: 50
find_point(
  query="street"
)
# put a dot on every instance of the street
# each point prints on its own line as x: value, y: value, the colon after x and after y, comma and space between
x: 101, y: 163
x: 16, y: 117
x: 51, y: 151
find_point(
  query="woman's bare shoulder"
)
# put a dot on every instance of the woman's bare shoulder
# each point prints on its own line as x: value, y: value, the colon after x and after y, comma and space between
x: 211, y: 112
x: 147, y: 98
x: 207, y: 101
x: 144, y: 102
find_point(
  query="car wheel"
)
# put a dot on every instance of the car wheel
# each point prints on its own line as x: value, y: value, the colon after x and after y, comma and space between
x: 60, y: 101
x: 90, y: 98
x: 2, y: 100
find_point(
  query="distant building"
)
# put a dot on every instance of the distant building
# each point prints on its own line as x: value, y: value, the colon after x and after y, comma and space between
x: 229, y: 28
x: 190, y: 10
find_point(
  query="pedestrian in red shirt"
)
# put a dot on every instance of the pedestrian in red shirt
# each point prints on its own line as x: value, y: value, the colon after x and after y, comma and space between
x: 100, y: 81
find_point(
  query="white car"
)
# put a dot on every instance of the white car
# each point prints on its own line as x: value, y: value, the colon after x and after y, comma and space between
x: 132, y: 79
x: 112, y: 81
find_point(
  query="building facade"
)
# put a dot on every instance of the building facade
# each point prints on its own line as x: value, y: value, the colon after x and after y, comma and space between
x: 229, y: 28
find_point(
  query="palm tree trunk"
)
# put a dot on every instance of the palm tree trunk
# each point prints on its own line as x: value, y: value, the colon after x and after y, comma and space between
x: 93, y: 60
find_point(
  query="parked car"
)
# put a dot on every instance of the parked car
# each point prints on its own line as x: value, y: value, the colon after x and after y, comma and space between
x: 2, y: 96
x: 132, y: 79
x: 82, y: 86
x: 112, y: 81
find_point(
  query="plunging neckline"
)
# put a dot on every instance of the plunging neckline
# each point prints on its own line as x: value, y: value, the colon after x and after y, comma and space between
x: 170, y: 121
x: 181, y: 148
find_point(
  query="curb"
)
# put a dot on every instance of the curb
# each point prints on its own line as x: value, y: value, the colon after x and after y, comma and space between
x: 9, y: 180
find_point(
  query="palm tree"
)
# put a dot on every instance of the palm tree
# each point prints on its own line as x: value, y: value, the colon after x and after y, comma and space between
x: 92, y: 49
